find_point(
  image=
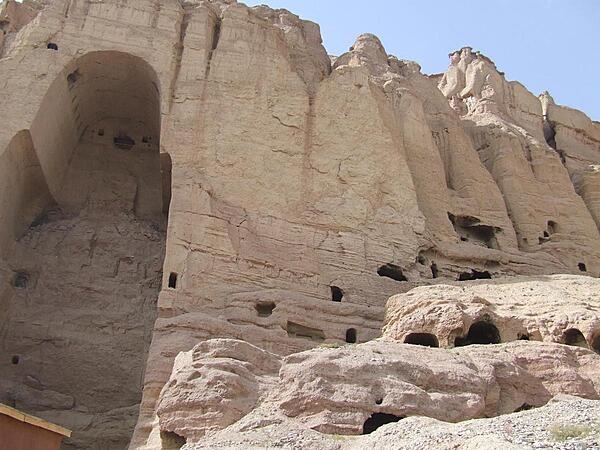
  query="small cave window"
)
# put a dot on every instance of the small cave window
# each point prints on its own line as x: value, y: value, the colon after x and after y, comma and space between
x: 552, y: 227
x: 391, y: 271
x: 51, y: 46
x: 434, y: 270
x: 574, y: 337
x: 424, y: 339
x: 379, y: 401
x: 173, y: 280
x: 582, y: 267
x: 523, y: 337
x: 265, y: 309
x: 378, y: 420
x: 351, y: 335
x: 15, y: 359
x: 101, y: 132
x: 123, y: 141
x: 481, y: 332
x: 336, y: 294
x: 474, y: 275
x: 21, y: 279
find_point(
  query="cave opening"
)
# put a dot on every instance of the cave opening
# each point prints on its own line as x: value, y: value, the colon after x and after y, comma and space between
x: 337, y: 294
x: 482, y: 332
x: 474, y: 275
x: 391, y: 271
x: 351, y: 336
x: 97, y: 253
x: 172, y: 280
x: 574, y: 337
x: 470, y: 229
x: 424, y: 339
x: 582, y: 267
x: 265, y: 309
x: 377, y: 420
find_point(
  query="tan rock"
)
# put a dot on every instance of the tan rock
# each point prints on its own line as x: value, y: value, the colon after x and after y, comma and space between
x: 290, y: 196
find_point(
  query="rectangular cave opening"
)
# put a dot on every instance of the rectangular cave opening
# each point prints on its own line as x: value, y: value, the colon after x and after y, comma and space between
x: 173, y: 280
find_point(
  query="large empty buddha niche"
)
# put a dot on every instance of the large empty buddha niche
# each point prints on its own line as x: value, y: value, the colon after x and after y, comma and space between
x: 574, y: 337
x: 470, y: 229
x: 378, y: 420
x: 391, y: 271
x: 424, y: 339
x: 482, y: 332
x: 82, y: 321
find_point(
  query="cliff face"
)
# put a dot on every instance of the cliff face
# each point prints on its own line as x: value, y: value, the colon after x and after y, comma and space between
x: 290, y: 194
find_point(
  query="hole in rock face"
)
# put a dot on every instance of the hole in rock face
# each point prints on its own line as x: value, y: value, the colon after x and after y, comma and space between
x: 522, y: 336
x: 171, y: 441
x: 51, y: 46
x: 470, y: 229
x: 574, y: 337
x: 379, y: 401
x: 434, y: 270
x: 482, y: 332
x: 391, y: 271
x: 336, y: 294
x: 379, y: 419
x: 582, y: 267
x: 300, y: 331
x: 101, y: 132
x: 424, y: 339
x: 123, y: 141
x: 265, y: 309
x: 474, y: 275
x: 351, y: 335
x: 15, y: 359
x: 552, y: 227
x: 173, y: 280
x: 21, y: 279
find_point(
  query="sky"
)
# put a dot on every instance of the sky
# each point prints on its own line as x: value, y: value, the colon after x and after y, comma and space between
x: 551, y: 45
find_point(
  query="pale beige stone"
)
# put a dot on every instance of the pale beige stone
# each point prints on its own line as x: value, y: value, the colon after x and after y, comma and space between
x: 267, y: 175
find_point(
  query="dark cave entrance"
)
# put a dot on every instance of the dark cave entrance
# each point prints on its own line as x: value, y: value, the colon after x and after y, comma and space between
x: 424, y: 339
x: 378, y: 420
x: 482, y: 332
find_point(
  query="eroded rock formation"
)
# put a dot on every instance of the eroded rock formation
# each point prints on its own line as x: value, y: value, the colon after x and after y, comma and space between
x: 289, y: 195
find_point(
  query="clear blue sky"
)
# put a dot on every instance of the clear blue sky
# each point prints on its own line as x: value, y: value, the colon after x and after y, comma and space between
x: 549, y: 45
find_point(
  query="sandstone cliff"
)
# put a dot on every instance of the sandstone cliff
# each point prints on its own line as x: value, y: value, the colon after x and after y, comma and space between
x: 172, y: 173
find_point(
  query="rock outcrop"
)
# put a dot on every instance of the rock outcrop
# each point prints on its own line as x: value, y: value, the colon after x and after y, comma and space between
x: 171, y: 173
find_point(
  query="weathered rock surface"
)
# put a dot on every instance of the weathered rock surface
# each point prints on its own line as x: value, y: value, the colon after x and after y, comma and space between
x: 298, y: 194
x: 559, y: 308
x: 565, y: 423
x: 223, y: 383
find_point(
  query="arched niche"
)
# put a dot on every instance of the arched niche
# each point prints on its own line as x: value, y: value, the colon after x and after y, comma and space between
x: 92, y: 154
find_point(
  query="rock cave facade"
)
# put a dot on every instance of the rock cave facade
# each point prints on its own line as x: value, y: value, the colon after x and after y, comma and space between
x: 203, y: 179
